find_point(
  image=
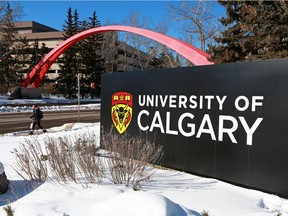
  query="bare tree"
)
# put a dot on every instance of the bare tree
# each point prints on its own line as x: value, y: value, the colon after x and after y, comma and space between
x: 109, y: 50
x: 126, y: 51
x: 16, y: 13
x: 143, y: 52
x: 196, y: 20
x: 146, y: 51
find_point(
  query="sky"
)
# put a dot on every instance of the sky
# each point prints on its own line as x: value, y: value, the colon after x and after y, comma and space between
x: 54, y: 13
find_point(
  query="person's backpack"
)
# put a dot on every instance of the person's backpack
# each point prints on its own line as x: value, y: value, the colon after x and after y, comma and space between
x: 40, y: 114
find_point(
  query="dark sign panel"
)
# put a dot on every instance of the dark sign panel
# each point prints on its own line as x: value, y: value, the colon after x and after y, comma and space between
x: 225, y: 121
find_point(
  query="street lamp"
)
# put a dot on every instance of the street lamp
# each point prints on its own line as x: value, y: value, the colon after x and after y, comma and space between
x: 78, y: 84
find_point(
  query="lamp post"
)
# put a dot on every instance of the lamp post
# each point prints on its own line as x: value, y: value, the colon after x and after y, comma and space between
x: 78, y: 84
x: 77, y: 68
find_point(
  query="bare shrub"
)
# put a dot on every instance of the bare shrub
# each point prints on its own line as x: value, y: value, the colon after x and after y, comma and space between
x: 61, y: 158
x: 76, y: 158
x: 68, y: 158
x: 28, y: 161
x: 86, y: 156
x: 130, y: 159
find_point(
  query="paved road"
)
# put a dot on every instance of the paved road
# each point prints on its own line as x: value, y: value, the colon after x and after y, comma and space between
x: 13, y: 122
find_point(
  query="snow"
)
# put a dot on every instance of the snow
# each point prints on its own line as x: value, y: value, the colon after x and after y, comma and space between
x: 20, y: 105
x: 167, y: 193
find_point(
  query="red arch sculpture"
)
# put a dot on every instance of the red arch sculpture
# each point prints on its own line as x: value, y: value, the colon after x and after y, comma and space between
x: 196, y: 56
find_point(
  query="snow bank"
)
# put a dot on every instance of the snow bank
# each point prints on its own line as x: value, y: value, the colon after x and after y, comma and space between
x: 138, y: 203
x: 274, y: 203
x: 24, y: 108
x: 24, y: 105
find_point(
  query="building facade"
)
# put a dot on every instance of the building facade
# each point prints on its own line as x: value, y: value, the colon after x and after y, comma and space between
x: 33, y: 31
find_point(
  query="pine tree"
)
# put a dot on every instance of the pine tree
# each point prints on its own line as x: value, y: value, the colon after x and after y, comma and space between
x: 66, y: 83
x: 35, y: 54
x: 43, y: 50
x: 273, y: 31
x: 8, y: 76
x: 254, y: 30
x: 92, y: 62
x: 22, y: 54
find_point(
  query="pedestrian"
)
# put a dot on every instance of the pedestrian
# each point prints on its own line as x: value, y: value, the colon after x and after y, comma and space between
x: 36, y: 117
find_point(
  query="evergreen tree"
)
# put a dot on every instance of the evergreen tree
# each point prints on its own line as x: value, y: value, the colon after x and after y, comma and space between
x: 66, y: 83
x: 76, y: 22
x: 43, y: 50
x: 8, y: 76
x: 35, y: 54
x: 22, y: 54
x: 84, y: 58
x: 254, y: 30
x: 92, y: 61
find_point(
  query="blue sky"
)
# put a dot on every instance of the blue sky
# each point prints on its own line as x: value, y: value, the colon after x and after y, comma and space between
x: 54, y: 14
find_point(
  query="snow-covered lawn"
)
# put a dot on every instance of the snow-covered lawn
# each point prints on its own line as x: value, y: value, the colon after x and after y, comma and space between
x: 167, y: 193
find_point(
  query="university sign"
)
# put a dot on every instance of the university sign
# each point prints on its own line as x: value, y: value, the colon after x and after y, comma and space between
x: 225, y: 121
x: 205, y: 126
x: 122, y: 114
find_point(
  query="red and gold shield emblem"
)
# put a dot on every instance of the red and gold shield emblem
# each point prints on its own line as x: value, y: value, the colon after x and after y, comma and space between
x: 121, y: 111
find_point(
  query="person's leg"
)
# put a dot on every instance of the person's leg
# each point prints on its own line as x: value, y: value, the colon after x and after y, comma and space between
x: 40, y: 126
x: 32, y: 127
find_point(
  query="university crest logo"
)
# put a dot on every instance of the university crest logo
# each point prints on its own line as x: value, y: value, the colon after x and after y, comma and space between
x: 121, y: 111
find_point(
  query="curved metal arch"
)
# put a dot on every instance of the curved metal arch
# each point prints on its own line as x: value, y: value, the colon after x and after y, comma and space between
x: 196, y: 56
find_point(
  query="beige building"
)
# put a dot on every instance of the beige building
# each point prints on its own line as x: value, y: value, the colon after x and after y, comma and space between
x: 44, y: 34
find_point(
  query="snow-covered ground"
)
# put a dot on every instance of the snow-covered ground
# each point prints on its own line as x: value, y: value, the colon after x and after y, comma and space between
x: 20, y: 105
x: 167, y: 193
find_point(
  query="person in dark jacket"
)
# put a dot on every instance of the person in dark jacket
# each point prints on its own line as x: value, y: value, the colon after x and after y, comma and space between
x: 36, y: 119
